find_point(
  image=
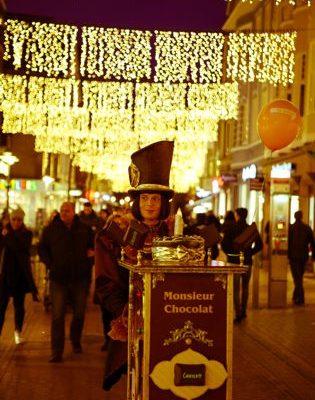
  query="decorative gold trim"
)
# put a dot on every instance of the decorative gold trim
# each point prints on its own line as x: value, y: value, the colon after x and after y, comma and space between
x: 146, y: 334
x: 134, y: 175
x: 188, y: 333
x: 130, y: 335
x: 139, y: 257
x: 159, y: 277
x: 229, y: 335
x: 221, y: 278
x: 216, y: 267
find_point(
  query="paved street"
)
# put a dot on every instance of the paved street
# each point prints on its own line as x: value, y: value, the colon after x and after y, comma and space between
x: 274, y: 353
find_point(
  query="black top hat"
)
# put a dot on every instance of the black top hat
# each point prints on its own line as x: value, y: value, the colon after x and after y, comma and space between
x: 150, y: 169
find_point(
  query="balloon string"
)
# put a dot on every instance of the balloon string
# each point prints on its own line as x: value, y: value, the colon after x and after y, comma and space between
x: 262, y: 190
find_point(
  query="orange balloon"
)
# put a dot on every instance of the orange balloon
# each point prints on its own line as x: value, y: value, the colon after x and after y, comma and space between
x: 279, y: 123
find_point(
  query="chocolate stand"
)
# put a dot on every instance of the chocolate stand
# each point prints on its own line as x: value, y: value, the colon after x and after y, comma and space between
x: 180, y: 330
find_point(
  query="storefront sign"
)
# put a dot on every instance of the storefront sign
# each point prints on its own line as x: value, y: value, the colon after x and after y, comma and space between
x: 281, y: 170
x: 183, y: 348
x: 249, y: 172
x: 24, y: 184
x: 229, y: 178
x: 256, y: 183
x: 280, y: 186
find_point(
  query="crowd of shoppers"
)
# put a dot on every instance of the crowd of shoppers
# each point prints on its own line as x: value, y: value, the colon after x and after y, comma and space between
x: 71, y: 244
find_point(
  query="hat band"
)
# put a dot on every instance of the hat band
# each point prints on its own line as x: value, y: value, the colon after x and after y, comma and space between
x: 152, y: 186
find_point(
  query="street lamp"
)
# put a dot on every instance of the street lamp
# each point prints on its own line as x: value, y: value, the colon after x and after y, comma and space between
x: 48, y: 180
x: 7, y: 159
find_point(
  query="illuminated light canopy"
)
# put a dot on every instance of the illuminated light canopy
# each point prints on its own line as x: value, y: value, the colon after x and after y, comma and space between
x: 40, y: 47
x: 165, y: 109
x: 13, y: 88
x: 100, y: 123
x: 111, y: 124
x: 14, y: 115
x: 102, y: 96
x: 188, y: 57
x: 111, y: 108
x: 262, y: 57
x: 216, y: 101
x: 127, y: 55
x: 121, y: 54
x: 47, y: 92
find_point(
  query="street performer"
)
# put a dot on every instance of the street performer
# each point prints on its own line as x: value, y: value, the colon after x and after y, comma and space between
x: 149, y: 177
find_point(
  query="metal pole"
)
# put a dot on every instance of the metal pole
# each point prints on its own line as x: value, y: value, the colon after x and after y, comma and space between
x: 69, y: 177
x: 8, y: 190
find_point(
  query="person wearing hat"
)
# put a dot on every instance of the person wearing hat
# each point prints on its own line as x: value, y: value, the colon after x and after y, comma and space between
x: 149, y: 177
x: 89, y: 217
x: 16, y: 277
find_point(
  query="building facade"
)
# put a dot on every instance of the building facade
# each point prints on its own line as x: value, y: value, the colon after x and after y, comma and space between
x: 242, y: 153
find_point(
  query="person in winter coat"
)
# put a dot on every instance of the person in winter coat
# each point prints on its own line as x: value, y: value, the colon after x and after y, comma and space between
x: 89, y: 217
x: 241, y: 281
x: 16, y: 279
x: 151, y: 207
x: 66, y: 247
x: 300, y: 241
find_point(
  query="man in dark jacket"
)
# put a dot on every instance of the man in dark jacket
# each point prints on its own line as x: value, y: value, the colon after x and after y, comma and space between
x: 89, y: 217
x: 66, y: 247
x: 299, y: 240
x: 233, y: 256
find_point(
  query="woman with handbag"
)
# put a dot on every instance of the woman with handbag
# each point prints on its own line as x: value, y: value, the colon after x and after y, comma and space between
x: 16, y: 277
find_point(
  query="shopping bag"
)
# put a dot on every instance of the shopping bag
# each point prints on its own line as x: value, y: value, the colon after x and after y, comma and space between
x: 244, y: 241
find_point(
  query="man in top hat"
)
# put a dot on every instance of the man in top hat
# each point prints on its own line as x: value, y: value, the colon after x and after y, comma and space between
x: 149, y: 177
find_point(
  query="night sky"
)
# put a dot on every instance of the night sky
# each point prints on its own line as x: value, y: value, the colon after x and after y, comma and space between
x: 176, y: 15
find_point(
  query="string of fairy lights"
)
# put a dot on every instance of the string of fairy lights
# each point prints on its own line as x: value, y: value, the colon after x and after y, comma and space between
x: 123, y: 89
x: 114, y: 115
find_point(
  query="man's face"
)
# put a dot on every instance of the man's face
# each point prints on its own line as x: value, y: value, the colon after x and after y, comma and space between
x: 67, y: 213
x: 87, y: 210
x: 16, y: 222
x: 150, y: 206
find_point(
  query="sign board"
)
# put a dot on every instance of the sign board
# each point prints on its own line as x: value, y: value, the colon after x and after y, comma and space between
x: 280, y: 186
x: 188, y: 338
x: 256, y: 184
x: 249, y: 172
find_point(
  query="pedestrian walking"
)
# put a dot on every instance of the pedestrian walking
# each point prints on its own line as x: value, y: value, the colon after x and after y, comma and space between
x: 16, y: 279
x: 89, y: 217
x: 66, y: 247
x: 228, y: 245
x: 300, y: 242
